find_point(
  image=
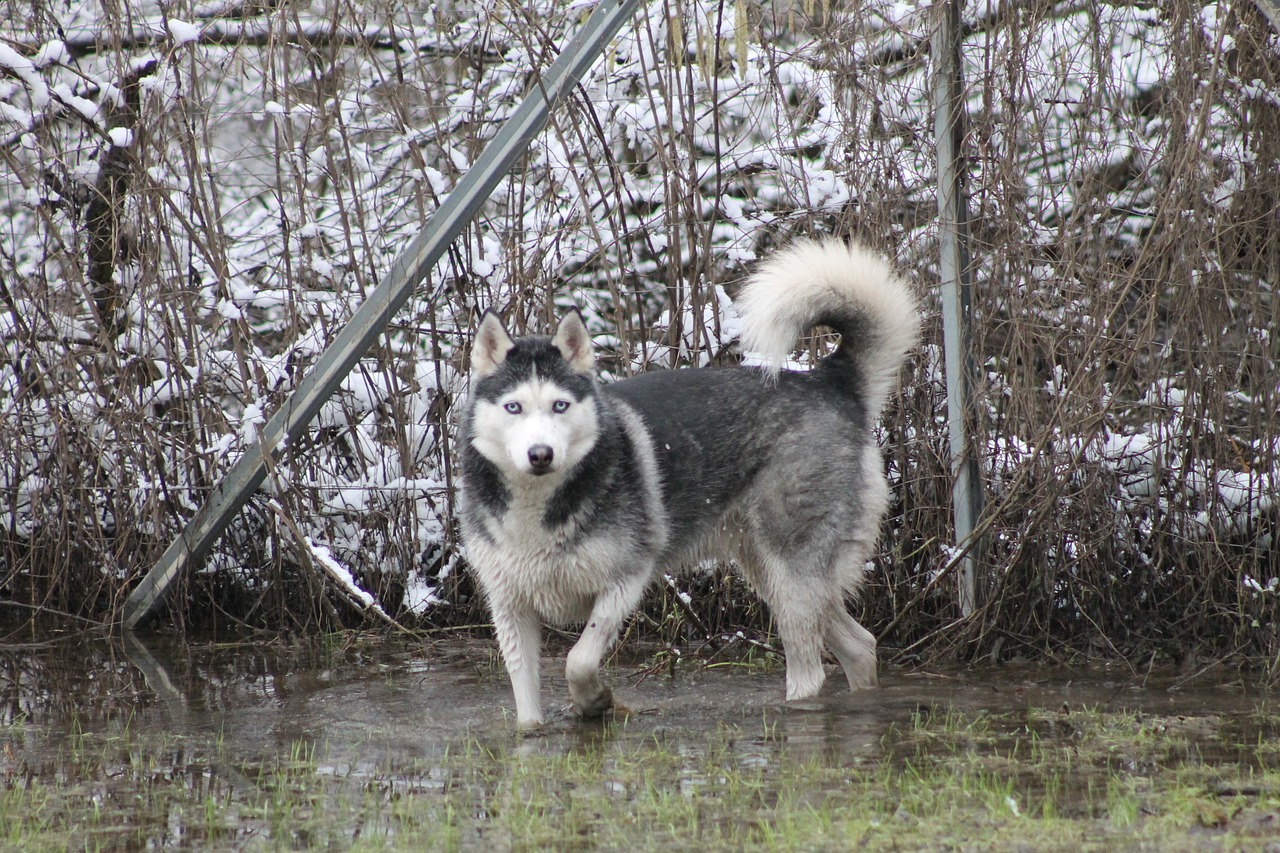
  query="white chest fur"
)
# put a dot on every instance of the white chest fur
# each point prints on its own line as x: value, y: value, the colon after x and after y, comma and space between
x: 557, y: 570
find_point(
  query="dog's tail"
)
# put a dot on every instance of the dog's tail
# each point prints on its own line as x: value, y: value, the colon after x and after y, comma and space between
x: 847, y: 287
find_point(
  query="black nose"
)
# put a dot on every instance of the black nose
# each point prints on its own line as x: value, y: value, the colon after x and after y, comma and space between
x: 540, y: 456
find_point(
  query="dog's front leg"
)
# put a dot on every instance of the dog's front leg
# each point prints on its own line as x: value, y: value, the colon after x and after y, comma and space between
x: 582, y: 669
x: 520, y: 638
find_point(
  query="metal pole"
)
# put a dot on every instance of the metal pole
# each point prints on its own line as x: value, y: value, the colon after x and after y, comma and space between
x: 355, y: 338
x: 966, y: 489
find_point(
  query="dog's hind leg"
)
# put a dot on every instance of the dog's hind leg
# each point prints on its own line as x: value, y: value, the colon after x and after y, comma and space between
x: 801, y: 631
x: 800, y: 613
x: 854, y: 646
x: 582, y: 669
x: 520, y: 638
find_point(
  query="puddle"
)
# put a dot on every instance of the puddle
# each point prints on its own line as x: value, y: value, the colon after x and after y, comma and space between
x: 145, y: 743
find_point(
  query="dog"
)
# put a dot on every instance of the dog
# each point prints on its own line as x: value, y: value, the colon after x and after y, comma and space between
x: 576, y: 495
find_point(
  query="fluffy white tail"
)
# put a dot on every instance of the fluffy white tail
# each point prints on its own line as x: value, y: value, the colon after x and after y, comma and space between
x: 846, y: 287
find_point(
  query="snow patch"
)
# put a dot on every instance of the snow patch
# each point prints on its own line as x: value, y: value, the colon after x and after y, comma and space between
x: 182, y: 32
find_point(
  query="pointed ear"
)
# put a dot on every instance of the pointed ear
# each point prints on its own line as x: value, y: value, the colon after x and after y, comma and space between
x: 490, y: 347
x: 574, y: 343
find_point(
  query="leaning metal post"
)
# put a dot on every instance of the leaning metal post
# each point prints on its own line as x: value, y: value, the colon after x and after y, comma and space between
x: 966, y: 489
x: 355, y: 338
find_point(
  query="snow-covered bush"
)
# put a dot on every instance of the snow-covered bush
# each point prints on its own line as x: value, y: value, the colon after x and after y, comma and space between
x: 197, y: 195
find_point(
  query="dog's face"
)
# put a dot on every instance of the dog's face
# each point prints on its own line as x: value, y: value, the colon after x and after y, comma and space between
x: 534, y: 409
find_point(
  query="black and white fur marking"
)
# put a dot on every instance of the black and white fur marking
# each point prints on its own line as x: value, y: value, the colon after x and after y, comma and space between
x: 576, y: 495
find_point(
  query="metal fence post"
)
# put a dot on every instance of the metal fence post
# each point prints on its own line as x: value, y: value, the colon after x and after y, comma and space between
x: 949, y: 108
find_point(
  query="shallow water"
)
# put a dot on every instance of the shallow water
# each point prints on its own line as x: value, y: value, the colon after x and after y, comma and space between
x: 114, y: 722
x: 369, y: 704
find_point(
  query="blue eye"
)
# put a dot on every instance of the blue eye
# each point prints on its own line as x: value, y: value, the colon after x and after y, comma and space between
x: 560, y: 406
x: 513, y: 408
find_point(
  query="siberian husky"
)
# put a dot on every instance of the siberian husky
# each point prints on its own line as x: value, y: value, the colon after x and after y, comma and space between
x: 576, y: 495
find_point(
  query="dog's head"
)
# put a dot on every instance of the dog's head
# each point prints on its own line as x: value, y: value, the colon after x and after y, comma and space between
x: 534, y: 409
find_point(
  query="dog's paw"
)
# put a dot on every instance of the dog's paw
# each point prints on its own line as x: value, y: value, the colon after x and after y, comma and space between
x: 615, y: 714
x: 531, y: 727
x: 596, y: 706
